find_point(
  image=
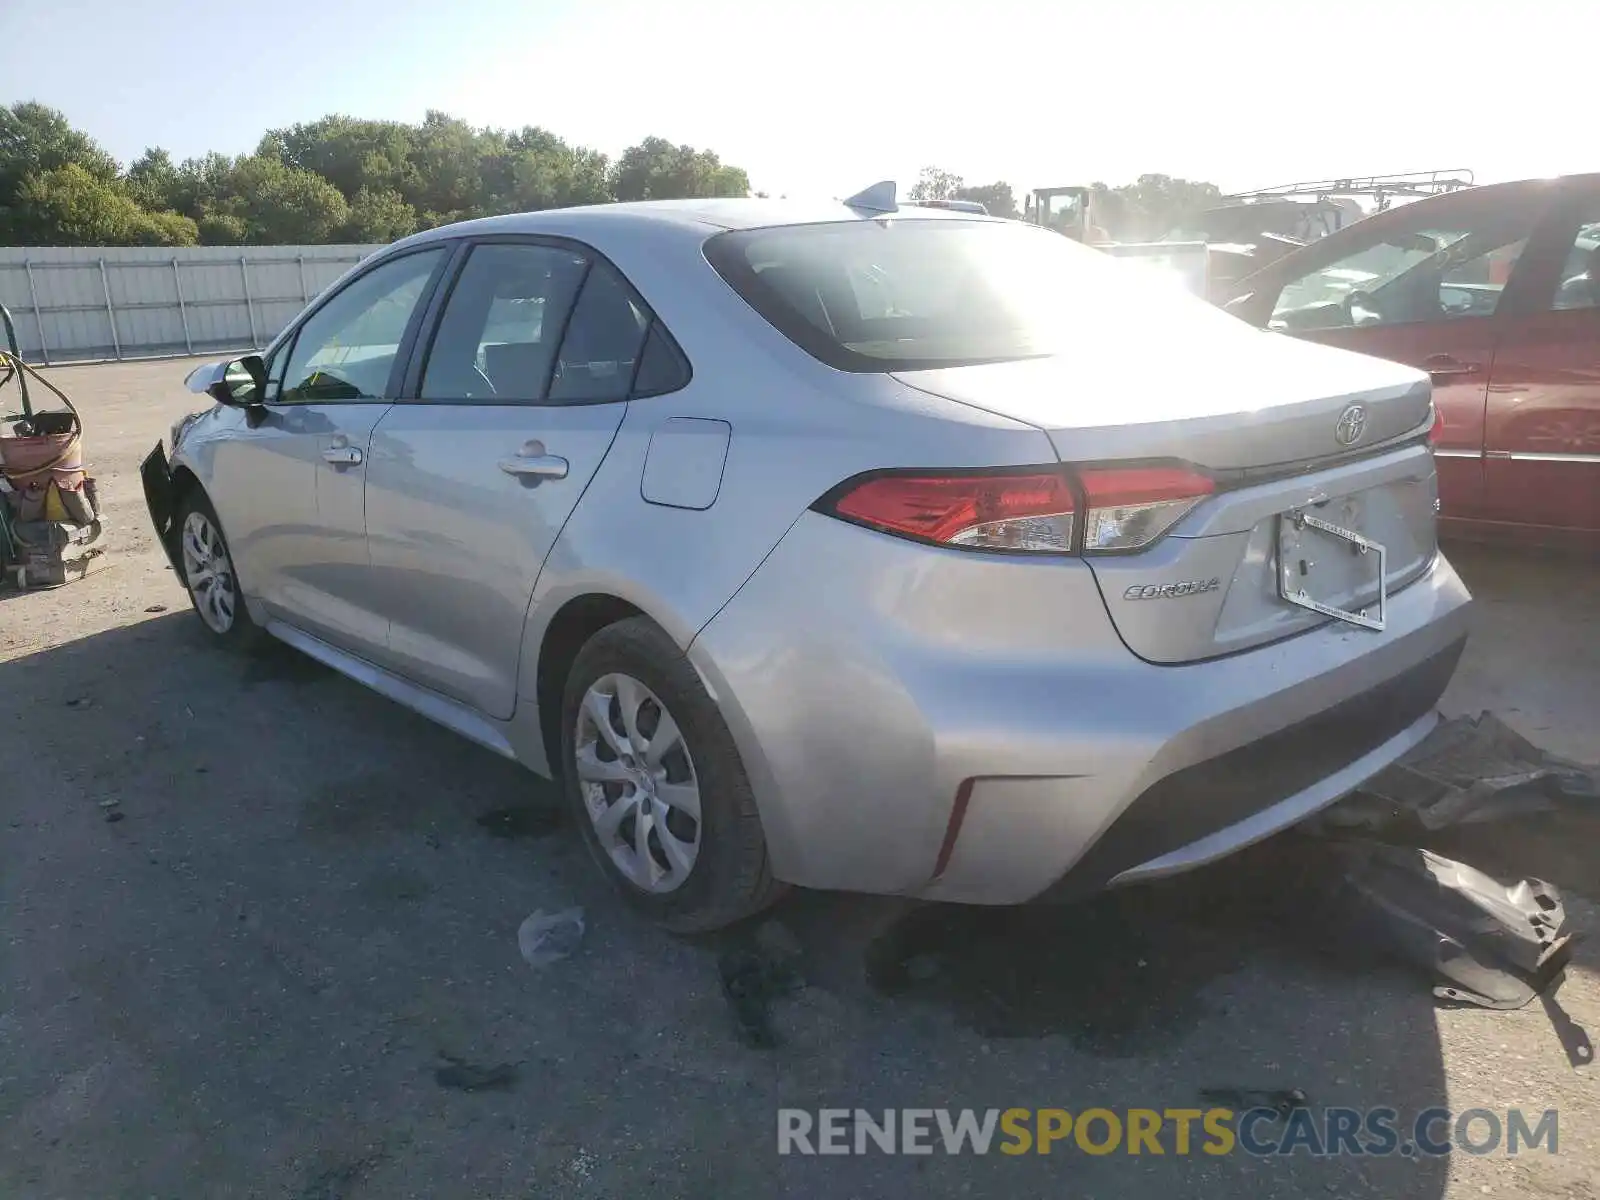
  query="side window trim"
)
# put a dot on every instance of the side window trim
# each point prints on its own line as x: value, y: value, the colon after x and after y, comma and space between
x: 416, y: 358
x: 283, y: 348
x: 410, y: 389
x: 589, y: 257
x: 638, y: 362
x: 277, y: 362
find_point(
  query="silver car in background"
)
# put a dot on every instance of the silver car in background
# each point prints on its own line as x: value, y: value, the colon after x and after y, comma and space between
x: 895, y: 550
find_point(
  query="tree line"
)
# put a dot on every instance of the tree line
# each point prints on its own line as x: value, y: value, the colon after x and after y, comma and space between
x: 1145, y: 210
x: 345, y: 179
x: 338, y: 179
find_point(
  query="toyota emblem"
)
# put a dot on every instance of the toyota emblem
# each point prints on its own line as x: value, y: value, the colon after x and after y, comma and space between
x: 1351, y: 424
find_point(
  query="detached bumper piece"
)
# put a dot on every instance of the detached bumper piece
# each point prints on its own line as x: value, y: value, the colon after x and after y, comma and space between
x: 1469, y: 770
x: 1484, y: 942
x: 156, y: 476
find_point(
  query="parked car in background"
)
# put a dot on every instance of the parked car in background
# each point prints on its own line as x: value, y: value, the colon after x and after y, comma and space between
x: 888, y: 549
x: 1495, y: 291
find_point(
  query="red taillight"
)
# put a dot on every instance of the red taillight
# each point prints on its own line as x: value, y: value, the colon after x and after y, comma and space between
x: 1029, y: 513
x: 1436, y: 430
x: 1130, y: 507
x: 1034, y: 512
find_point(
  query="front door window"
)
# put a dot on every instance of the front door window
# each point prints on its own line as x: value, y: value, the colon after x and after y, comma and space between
x: 1428, y: 271
x: 346, y: 349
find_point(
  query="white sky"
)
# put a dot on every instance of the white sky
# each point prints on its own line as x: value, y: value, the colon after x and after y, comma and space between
x: 826, y: 96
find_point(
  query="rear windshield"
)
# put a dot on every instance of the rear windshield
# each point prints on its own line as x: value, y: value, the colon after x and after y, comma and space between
x: 910, y: 294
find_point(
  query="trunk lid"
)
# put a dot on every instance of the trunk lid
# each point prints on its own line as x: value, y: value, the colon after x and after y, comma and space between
x: 1224, y: 396
x: 1268, y: 417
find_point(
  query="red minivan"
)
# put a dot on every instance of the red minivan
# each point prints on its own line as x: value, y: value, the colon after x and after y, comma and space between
x: 1495, y: 292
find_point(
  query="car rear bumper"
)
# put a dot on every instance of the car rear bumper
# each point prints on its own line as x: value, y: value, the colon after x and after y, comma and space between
x: 967, y: 727
x: 1207, y: 810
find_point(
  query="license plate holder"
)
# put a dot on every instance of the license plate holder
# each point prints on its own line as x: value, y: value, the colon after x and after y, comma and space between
x: 1301, y: 538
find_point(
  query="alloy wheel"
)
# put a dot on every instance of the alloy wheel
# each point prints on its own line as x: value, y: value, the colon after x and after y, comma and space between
x: 209, y: 572
x: 638, y: 783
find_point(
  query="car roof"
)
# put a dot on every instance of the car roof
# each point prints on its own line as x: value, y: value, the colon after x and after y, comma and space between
x: 683, y: 216
x: 1357, y: 230
x: 1492, y: 191
x: 1481, y: 192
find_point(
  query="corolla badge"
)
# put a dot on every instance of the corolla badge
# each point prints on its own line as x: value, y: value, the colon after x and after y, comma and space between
x: 1172, y: 591
x: 1350, y: 426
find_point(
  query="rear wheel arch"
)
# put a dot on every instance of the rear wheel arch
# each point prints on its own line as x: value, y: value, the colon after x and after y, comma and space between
x: 682, y: 843
x: 574, y: 623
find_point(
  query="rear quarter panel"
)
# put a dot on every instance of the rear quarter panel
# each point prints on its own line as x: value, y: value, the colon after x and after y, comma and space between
x: 797, y: 428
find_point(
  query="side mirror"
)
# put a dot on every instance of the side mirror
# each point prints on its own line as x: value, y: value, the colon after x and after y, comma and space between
x: 243, y: 383
x: 240, y: 383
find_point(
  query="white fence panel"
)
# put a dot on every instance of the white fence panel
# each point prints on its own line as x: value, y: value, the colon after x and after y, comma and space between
x: 81, y: 303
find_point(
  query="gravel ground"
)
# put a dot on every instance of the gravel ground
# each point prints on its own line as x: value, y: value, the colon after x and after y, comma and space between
x: 274, y: 974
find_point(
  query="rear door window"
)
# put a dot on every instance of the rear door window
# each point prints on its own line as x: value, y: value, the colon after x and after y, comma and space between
x: 497, y: 337
x: 545, y: 323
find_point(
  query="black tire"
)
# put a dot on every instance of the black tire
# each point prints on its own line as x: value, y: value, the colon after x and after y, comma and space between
x: 243, y: 635
x: 731, y: 877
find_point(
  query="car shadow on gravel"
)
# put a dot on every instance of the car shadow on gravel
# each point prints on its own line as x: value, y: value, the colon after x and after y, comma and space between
x: 315, y: 895
x: 1129, y: 969
x: 1121, y: 975
x: 1114, y: 972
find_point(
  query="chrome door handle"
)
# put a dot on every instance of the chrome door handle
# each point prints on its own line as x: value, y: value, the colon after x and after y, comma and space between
x: 1442, y: 366
x: 535, y: 466
x: 342, y: 456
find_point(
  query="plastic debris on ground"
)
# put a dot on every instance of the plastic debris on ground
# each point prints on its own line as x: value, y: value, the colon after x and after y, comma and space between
x: 1282, y: 1101
x: 1482, y: 941
x: 462, y: 1076
x: 1469, y: 770
x: 545, y: 938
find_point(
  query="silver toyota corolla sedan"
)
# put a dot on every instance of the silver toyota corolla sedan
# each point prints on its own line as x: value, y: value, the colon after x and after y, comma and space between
x: 897, y: 550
